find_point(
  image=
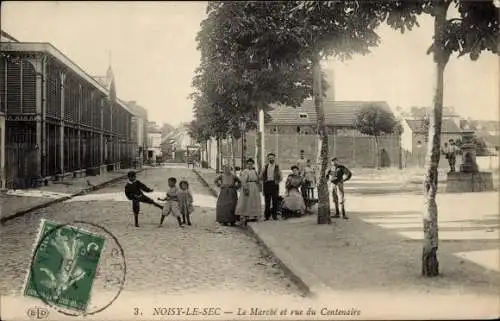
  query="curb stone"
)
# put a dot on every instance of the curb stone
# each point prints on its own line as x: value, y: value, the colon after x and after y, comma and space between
x: 296, y: 279
x: 289, y: 271
x: 64, y: 198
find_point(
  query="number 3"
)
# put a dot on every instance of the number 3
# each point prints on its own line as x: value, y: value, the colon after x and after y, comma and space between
x: 136, y: 311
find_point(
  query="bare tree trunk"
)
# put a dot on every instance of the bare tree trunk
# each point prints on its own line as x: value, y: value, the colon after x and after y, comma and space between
x: 260, y: 140
x: 323, y: 195
x: 258, y: 147
x: 430, y: 264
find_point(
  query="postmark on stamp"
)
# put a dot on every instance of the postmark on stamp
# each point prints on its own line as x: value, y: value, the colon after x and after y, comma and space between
x: 67, y: 263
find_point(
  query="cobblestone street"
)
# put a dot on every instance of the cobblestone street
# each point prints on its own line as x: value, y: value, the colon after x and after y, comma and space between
x: 164, y: 260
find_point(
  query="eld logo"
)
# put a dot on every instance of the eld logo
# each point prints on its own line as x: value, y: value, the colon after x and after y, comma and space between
x: 37, y: 313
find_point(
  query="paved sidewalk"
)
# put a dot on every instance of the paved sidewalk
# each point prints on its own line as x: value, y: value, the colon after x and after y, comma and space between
x: 377, y: 253
x: 14, y: 203
x: 362, y: 258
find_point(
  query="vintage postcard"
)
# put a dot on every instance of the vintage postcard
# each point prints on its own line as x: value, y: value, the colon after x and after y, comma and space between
x: 249, y: 160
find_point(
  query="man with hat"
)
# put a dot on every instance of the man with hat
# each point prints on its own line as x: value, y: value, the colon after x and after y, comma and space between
x: 271, y: 177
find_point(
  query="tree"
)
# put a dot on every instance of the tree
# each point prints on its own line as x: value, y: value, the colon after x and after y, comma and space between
x: 166, y: 129
x: 375, y: 120
x: 475, y: 30
x: 246, y: 80
x: 316, y: 29
x: 344, y: 28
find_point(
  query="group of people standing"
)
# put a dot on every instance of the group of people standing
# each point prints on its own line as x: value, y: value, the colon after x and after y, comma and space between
x: 296, y: 201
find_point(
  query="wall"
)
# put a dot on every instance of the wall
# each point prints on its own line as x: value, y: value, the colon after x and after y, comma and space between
x: 154, y: 140
x: 140, y: 131
x: 407, y: 138
x: 487, y: 163
x: 352, y: 148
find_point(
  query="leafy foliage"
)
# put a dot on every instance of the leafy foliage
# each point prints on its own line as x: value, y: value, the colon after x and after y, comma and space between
x: 376, y: 120
x: 479, y: 145
x: 233, y: 80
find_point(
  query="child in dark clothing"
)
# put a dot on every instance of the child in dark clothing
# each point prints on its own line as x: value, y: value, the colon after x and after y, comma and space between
x: 134, y: 192
x: 172, y: 205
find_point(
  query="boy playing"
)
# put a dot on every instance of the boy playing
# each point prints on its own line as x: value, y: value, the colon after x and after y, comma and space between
x: 134, y: 192
x: 172, y: 206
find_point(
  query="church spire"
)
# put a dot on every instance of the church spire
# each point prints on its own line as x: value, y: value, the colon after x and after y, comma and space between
x: 110, y: 79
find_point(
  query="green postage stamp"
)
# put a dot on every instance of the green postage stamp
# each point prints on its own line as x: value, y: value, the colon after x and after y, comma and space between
x: 64, y: 265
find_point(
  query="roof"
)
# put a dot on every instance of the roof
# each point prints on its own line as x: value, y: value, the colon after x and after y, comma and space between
x: 492, y: 140
x: 54, y: 52
x: 7, y: 36
x: 337, y: 113
x: 422, y: 111
x: 447, y: 126
x: 488, y: 125
x: 139, y: 111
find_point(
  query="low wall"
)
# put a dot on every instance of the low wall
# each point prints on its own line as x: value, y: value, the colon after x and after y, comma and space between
x: 486, y: 163
x: 354, y: 151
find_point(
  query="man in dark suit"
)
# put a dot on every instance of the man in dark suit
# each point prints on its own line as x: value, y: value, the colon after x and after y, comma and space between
x: 271, y: 177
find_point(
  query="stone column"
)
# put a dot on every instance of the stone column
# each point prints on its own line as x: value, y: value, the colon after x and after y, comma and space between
x: 79, y: 131
x: 2, y: 151
x: 44, y: 114
x: 101, y: 140
x: 61, y: 126
x: 39, y: 66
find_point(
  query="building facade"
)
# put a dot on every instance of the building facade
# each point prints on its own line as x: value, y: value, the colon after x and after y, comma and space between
x: 59, y: 121
x: 154, y: 143
x: 414, y: 140
x: 291, y: 130
x: 139, y: 131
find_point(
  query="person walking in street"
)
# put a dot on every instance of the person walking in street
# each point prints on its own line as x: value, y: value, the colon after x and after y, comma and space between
x: 338, y: 175
x: 293, y: 202
x: 228, y: 197
x: 134, y: 192
x: 249, y: 207
x: 185, y: 202
x: 172, y: 206
x: 271, y: 177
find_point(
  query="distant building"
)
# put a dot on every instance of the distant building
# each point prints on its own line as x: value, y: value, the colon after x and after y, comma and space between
x: 139, y: 130
x: 177, y: 142
x: 414, y: 137
x: 153, y: 142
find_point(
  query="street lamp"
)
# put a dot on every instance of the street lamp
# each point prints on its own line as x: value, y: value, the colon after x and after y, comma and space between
x: 243, y: 125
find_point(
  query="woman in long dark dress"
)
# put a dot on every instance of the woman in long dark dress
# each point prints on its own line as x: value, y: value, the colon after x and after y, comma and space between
x: 228, y: 197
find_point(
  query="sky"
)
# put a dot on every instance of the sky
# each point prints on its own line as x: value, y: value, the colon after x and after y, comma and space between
x: 153, y: 56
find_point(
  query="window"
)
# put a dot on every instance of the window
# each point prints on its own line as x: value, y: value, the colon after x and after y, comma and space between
x: 302, y: 115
